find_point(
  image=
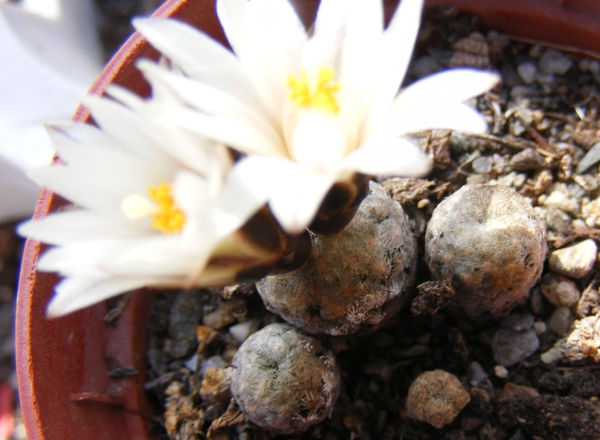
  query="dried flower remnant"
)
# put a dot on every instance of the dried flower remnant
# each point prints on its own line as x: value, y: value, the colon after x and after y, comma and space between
x: 283, y: 380
x: 314, y: 113
x: 489, y: 238
x: 355, y: 281
x: 153, y: 207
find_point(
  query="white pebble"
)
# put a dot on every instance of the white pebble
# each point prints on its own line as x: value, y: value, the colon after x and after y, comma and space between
x: 241, y: 331
x: 552, y: 356
x: 500, y: 371
x: 212, y: 362
x: 560, y: 200
x: 527, y: 72
x: 553, y: 62
x: 574, y: 261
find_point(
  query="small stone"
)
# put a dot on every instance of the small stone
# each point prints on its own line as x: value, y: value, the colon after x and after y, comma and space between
x: 553, y: 62
x: 212, y: 362
x: 583, y: 342
x: 215, y: 385
x: 476, y: 374
x: 589, y: 65
x: 539, y: 327
x: 500, y: 372
x: 518, y: 321
x: 591, y: 158
x: 558, y: 198
x: 205, y: 336
x: 554, y: 355
x: 590, y: 212
x: 574, y: 261
x: 561, y: 320
x: 556, y: 219
x: 559, y: 290
x: 240, y: 332
x: 192, y: 363
x: 483, y: 164
x: 436, y: 397
x: 512, y: 391
x: 511, y: 347
x: 284, y: 380
x: 424, y: 66
x: 185, y: 315
x: 527, y: 160
x: 225, y: 315
x: 536, y: 301
x: 527, y: 71
x: 519, y: 92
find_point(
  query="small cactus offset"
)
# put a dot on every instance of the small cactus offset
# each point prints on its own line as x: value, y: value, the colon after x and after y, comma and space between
x: 489, y: 239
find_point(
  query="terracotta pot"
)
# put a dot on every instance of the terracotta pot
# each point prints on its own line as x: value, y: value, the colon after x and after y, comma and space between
x: 63, y: 364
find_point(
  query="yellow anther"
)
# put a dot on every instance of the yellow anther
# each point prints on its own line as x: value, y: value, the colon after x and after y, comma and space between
x: 320, y: 95
x: 168, y: 218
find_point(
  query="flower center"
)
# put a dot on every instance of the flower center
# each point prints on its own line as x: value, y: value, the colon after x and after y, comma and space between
x: 167, y: 218
x: 318, y: 95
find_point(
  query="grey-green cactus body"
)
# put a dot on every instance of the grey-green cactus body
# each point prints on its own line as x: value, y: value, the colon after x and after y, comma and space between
x: 355, y: 280
x: 490, y: 239
x: 283, y: 380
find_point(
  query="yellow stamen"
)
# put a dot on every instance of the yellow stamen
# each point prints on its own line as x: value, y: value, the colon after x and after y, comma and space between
x: 168, y: 218
x: 321, y: 96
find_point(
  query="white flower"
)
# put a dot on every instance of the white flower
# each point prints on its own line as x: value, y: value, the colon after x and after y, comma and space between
x: 309, y: 110
x: 49, y: 55
x: 152, y: 205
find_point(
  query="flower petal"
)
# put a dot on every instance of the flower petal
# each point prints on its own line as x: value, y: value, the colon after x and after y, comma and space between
x: 398, y: 43
x: 74, y: 294
x: 455, y: 84
x: 431, y: 114
x: 268, y: 37
x: 103, y: 177
x: 211, y: 100
x: 129, y: 129
x: 317, y: 141
x: 294, y: 193
x: 75, y: 226
x: 393, y: 156
x: 199, y: 56
x: 235, y: 204
x: 296, y: 207
x: 237, y: 134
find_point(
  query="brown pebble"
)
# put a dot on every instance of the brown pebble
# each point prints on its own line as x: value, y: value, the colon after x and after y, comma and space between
x: 527, y: 160
x: 227, y: 314
x: 215, y: 385
x: 433, y: 296
x: 512, y: 391
x: 559, y: 290
x: 205, y: 336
